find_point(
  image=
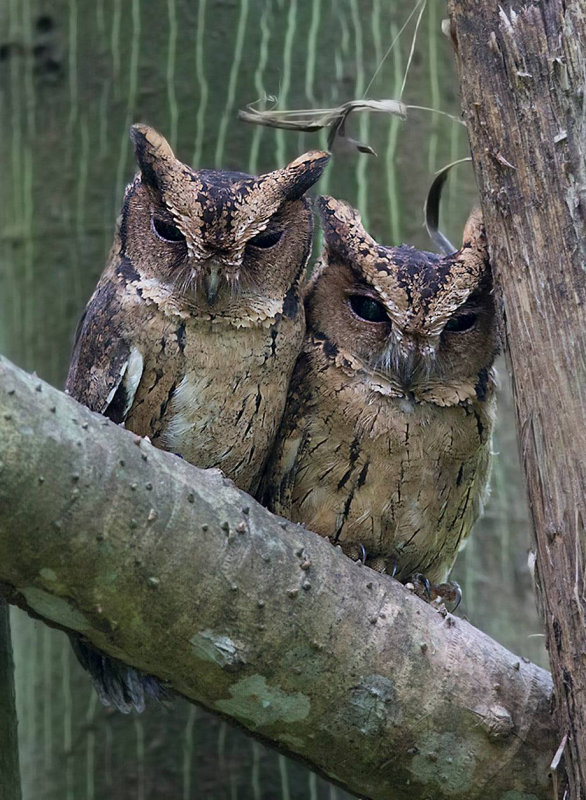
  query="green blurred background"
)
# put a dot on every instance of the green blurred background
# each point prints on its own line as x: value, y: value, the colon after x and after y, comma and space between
x: 74, y: 75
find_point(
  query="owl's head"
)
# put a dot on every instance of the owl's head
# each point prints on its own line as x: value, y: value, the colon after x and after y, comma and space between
x: 424, y: 322
x: 210, y: 234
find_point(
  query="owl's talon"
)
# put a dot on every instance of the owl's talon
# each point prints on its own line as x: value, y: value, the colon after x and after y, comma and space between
x: 449, y: 592
x: 421, y: 586
x: 362, y: 553
x: 458, y: 593
x: 445, y: 593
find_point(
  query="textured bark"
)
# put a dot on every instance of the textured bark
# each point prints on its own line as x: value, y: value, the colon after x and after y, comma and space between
x: 176, y: 571
x: 522, y: 77
x: 9, y: 766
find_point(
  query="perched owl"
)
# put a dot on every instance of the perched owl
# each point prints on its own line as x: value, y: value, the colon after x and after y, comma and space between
x: 384, y: 447
x: 192, y: 333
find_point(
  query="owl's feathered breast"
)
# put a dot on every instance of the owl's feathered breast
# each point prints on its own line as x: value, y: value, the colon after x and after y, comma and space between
x: 226, y: 409
x: 210, y: 390
x: 370, y: 468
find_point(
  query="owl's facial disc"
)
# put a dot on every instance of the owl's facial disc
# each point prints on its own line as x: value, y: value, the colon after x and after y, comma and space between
x: 225, y: 268
x: 404, y: 355
x: 408, y: 359
x: 216, y: 276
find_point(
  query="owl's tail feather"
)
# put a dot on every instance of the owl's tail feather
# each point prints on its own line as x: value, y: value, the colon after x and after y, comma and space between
x: 118, y: 685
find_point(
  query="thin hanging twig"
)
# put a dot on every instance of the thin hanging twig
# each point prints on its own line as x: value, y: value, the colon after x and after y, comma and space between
x: 309, y: 120
x: 431, y: 209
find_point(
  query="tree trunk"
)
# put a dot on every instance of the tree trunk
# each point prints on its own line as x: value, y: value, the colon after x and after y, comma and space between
x: 174, y: 570
x: 9, y: 766
x: 522, y: 77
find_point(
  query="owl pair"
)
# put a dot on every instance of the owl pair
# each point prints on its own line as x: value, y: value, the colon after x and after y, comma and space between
x: 370, y: 424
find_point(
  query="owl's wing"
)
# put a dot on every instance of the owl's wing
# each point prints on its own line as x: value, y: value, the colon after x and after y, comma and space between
x: 105, y: 368
x: 104, y: 374
x: 292, y: 439
x: 281, y: 473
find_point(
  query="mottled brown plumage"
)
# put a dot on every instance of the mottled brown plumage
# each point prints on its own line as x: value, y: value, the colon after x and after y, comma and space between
x: 385, y: 441
x: 192, y: 333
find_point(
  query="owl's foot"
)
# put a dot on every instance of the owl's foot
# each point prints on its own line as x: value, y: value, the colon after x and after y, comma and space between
x: 449, y: 592
x: 446, y: 593
x: 377, y: 563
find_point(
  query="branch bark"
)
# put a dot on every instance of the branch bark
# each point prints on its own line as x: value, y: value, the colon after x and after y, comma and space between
x: 522, y: 81
x: 174, y: 570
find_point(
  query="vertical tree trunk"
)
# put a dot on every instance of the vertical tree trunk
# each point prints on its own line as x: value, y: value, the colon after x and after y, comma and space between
x: 73, y: 77
x: 9, y: 766
x: 522, y: 79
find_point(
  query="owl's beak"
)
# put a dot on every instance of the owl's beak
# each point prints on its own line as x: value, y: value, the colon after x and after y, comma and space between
x: 211, y: 282
x: 407, y: 367
x: 415, y: 361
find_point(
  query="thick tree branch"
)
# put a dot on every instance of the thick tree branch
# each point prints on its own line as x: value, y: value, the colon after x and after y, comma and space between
x: 522, y: 80
x: 174, y: 570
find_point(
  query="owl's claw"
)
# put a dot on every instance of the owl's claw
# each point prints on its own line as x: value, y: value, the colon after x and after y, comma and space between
x: 449, y: 592
x: 362, y: 553
x: 421, y: 586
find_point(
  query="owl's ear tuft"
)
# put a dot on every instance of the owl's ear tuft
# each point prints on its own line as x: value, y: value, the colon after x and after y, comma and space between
x: 474, y: 234
x: 153, y: 154
x: 344, y: 233
x: 474, y: 250
x: 300, y: 175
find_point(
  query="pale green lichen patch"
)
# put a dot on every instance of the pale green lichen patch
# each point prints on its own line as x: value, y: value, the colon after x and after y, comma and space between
x: 218, y: 648
x: 55, y: 608
x: 373, y: 705
x: 259, y: 705
x: 515, y: 795
x: 444, y: 759
x: 48, y: 574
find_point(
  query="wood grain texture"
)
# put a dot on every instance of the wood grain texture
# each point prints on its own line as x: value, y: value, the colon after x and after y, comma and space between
x: 522, y: 80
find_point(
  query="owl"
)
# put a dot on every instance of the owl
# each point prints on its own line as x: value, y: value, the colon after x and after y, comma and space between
x: 192, y: 333
x: 384, y: 446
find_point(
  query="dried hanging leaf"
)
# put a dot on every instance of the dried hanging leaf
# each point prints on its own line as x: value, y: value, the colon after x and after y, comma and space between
x: 309, y: 120
x: 431, y: 209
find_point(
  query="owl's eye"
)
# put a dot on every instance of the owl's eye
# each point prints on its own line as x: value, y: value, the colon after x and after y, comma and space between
x: 166, y: 231
x: 367, y: 308
x: 460, y: 323
x: 266, y: 239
